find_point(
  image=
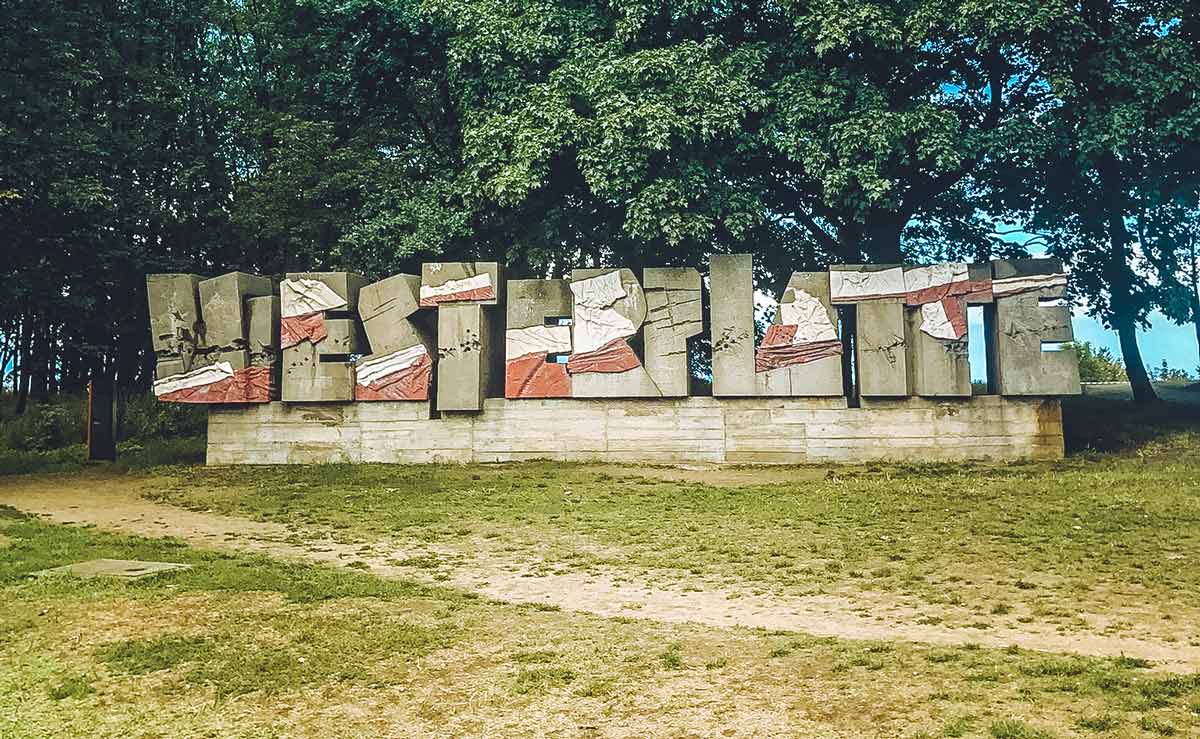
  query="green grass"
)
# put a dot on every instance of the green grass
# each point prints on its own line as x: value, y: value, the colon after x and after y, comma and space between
x: 300, y: 646
x: 1012, y: 729
x: 1035, y: 543
x: 131, y: 455
x: 245, y: 645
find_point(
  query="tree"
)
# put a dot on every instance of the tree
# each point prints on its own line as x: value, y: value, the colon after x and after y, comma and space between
x: 806, y: 132
x: 1122, y: 127
x: 1097, y: 364
x: 109, y: 134
x: 1169, y: 234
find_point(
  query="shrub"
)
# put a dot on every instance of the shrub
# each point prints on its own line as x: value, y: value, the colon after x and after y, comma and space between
x: 1097, y: 364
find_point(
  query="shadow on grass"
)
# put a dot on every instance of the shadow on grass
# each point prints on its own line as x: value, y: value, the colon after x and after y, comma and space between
x: 1093, y: 424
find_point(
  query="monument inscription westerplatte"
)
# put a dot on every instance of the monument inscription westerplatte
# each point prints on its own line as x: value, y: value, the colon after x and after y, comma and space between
x: 461, y: 335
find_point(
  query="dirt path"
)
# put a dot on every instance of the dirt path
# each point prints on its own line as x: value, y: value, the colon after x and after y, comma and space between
x: 115, y: 504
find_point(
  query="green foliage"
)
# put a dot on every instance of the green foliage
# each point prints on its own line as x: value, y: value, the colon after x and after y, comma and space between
x: 61, y: 422
x: 208, y: 135
x: 1166, y: 373
x: 1097, y: 364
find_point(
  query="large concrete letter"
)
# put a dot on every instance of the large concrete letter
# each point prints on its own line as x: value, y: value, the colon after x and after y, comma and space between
x: 400, y: 366
x: 319, y: 332
x: 731, y: 290
x: 609, y: 307
x: 1031, y: 341
x: 468, y: 323
x: 937, y: 296
x: 175, y: 325
x: 537, y: 336
x: 881, y: 351
x: 801, y: 355
x: 204, y: 334
x: 674, y: 315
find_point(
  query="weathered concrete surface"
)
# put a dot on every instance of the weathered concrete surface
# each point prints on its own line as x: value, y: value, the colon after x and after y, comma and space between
x: 937, y: 368
x: 174, y: 306
x: 223, y: 307
x: 744, y: 430
x: 531, y: 302
x: 1022, y: 325
x: 321, y: 371
x: 538, y: 326
x: 124, y: 569
x: 451, y: 282
x: 389, y: 310
x: 401, y: 340
x: 858, y: 283
x: 306, y: 378
x: 262, y: 332
x: 607, y: 312
x: 731, y: 290
x: 818, y: 378
x: 881, y: 349
x: 674, y: 315
x: 465, y: 334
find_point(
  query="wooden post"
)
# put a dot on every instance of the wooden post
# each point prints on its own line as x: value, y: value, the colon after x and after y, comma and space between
x: 101, y: 446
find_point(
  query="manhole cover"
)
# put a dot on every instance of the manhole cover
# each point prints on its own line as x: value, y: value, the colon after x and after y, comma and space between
x: 129, y: 569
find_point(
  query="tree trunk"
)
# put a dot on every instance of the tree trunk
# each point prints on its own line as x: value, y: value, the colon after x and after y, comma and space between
x: 39, y: 382
x: 881, y: 237
x: 1120, y: 278
x: 1139, y: 379
x: 22, y: 380
x: 1195, y: 294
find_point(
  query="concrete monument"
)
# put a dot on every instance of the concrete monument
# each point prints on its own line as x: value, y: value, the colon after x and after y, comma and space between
x: 213, y: 339
x: 597, y: 366
x: 319, y: 333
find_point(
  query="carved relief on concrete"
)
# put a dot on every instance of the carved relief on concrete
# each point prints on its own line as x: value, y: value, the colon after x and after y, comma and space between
x: 215, y: 340
x: 320, y: 334
x: 470, y: 321
x: 537, y: 341
x: 400, y: 365
x: 603, y: 333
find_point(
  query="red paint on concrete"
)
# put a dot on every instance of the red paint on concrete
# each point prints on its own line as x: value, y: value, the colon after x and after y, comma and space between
x: 463, y: 296
x: 531, y: 376
x: 304, y: 327
x: 410, y: 383
x: 615, y: 356
x: 787, y: 355
x: 249, y: 385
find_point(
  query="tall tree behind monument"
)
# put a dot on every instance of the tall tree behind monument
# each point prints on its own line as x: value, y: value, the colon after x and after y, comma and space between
x: 1122, y: 135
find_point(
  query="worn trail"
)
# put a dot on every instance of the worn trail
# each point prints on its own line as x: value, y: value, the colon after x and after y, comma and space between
x: 115, y: 504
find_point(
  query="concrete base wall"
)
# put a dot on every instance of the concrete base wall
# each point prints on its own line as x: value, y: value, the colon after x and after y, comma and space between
x: 688, y: 430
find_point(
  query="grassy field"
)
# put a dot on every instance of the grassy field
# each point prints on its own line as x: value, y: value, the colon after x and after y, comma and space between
x: 1104, y: 543
x: 1100, y: 540
x: 245, y: 646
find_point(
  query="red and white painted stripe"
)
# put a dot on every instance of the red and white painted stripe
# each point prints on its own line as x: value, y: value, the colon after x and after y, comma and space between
x: 941, y: 291
x: 805, y: 334
x: 302, y: 306
x: 600, y: 333
x: 468, y: 289
x: 399, y: 375
x: 527, y: 374
x: 217, y: 383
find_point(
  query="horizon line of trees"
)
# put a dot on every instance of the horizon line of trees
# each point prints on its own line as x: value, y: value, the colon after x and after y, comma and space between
x: 145, y: 136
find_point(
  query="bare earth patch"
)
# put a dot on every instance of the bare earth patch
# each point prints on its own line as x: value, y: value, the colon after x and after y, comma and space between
x: 115, y: 504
